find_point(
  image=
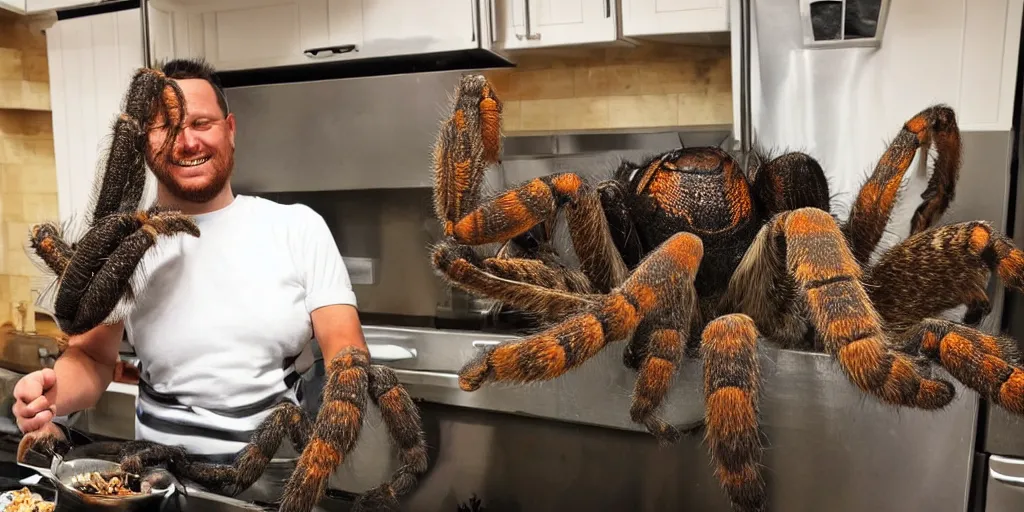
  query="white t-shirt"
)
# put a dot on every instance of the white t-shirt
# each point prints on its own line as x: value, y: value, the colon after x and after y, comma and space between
x: 222, y: 318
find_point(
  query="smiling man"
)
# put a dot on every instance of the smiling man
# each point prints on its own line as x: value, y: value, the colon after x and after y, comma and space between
x: 223, y: 317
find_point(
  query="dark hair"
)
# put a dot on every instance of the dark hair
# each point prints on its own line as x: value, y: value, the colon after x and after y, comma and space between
x: 183, y: 69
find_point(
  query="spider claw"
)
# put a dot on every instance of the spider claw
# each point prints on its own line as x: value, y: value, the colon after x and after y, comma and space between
x: 663, y: 432
x: 379, y: 499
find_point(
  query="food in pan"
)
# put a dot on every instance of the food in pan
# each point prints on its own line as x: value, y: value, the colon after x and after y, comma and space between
x: 24, y: 500
x: 115, y: 484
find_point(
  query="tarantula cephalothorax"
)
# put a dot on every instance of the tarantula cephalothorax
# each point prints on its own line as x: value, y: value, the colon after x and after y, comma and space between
x: 686, y: 255
x: 93, y: 278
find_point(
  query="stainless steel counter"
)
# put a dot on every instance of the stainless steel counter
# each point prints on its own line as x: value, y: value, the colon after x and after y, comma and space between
x: 569, y: 444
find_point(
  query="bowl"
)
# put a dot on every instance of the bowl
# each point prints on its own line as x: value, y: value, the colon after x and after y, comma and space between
x: 63, y: 474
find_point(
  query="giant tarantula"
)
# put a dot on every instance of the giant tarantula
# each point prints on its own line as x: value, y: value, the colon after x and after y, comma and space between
x: 684, y: 254
x: 93, y: 278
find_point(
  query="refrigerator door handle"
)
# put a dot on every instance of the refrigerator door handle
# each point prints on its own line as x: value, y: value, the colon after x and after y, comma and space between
x: 1007, y: 471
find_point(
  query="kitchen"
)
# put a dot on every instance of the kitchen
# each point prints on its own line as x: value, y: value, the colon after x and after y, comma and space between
x: 338, y: 104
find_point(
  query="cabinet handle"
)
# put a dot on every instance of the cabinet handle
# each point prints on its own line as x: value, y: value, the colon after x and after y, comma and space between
x: 329, y: 51
x: 490, y: 21
x: 607, y: 8
x: 390, y: 353
x: 532, y: 37
x: 1000, y: 466
x: 475, y: 18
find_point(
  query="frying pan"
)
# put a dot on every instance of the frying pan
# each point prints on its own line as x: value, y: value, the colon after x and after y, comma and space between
x: 68, y: 498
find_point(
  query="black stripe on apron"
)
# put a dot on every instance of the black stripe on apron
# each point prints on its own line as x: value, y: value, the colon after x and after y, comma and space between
x: 147, y: 392
x: 243, y: 411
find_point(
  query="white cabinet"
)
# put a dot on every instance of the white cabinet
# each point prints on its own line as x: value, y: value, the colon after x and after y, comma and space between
x: 247, y: 34
x: 17, y: 6
x: 668, y: 17
x: 91, y: 62
x: 546, y: 23
x: 239, y: 34
x: 35, y: 6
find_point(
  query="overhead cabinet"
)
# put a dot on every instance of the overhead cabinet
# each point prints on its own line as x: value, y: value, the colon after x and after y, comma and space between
x: 670, y: 17
x: 528, y: 24
x: 251, y: 34
x: 17, y: 6
x: 546, y: 23
x: 34, y: 6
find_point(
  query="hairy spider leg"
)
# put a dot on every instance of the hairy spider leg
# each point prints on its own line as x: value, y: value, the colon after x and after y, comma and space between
x: 92, y: 276
x: 97, y: 273
x: 285, y: 420
x: 800, y: 265
x: 518, y: 210
x: 48, y: 244
x: 335, y: 430
x: 653, y: 294
x: 460, y: 266
x: 655, y: 353
x: 151, y: 97
x: 874, y: 204
x: 547, y: 274
x: 918, y: 273
x: 732, y: 389
x: 350, y: 378
x: 467, y: 142
x: 405, y: 428
x: 828, y: 282
x: 990, y: 365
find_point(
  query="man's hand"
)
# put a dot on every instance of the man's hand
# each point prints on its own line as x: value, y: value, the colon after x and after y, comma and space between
x: 35, y: 400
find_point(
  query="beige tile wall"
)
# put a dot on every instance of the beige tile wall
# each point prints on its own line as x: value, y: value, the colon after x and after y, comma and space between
x: 28, y: 176
x: 650, y: 86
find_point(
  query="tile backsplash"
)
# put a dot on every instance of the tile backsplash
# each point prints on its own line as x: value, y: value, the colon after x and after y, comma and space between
x: 28, y: 175
x: 649, y: 86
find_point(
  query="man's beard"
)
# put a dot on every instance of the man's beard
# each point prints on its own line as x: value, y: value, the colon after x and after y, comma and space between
x: 223, y: 164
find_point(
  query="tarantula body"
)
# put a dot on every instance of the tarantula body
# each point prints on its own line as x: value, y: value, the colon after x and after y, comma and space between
x: 687, y: 255
x: 94, y: 286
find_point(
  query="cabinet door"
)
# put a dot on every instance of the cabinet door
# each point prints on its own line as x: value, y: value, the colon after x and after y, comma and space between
x: 544, y: 23
x: 665, y: 17
x: 91, y: 62
x: 240, y: 34
x: 17, y: 6
x: 266, y: 34
x: 361, y: 29
x: 35, y: 6
x: 248, y: 34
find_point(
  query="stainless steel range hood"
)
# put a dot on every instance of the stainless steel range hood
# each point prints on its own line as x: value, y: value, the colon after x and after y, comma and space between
x: 397, y: 64
x: 378, y: 132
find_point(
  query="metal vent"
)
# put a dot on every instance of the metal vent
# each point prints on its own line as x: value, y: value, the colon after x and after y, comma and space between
x: 843, y: 23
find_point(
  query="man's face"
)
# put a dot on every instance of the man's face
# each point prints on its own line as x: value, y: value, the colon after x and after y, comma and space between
x: 199, y: 164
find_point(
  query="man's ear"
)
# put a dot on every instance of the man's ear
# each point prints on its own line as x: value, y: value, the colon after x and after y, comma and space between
x: 231, y: 128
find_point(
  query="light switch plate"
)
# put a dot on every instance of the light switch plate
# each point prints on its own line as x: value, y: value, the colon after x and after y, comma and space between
x: 360, y: 270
